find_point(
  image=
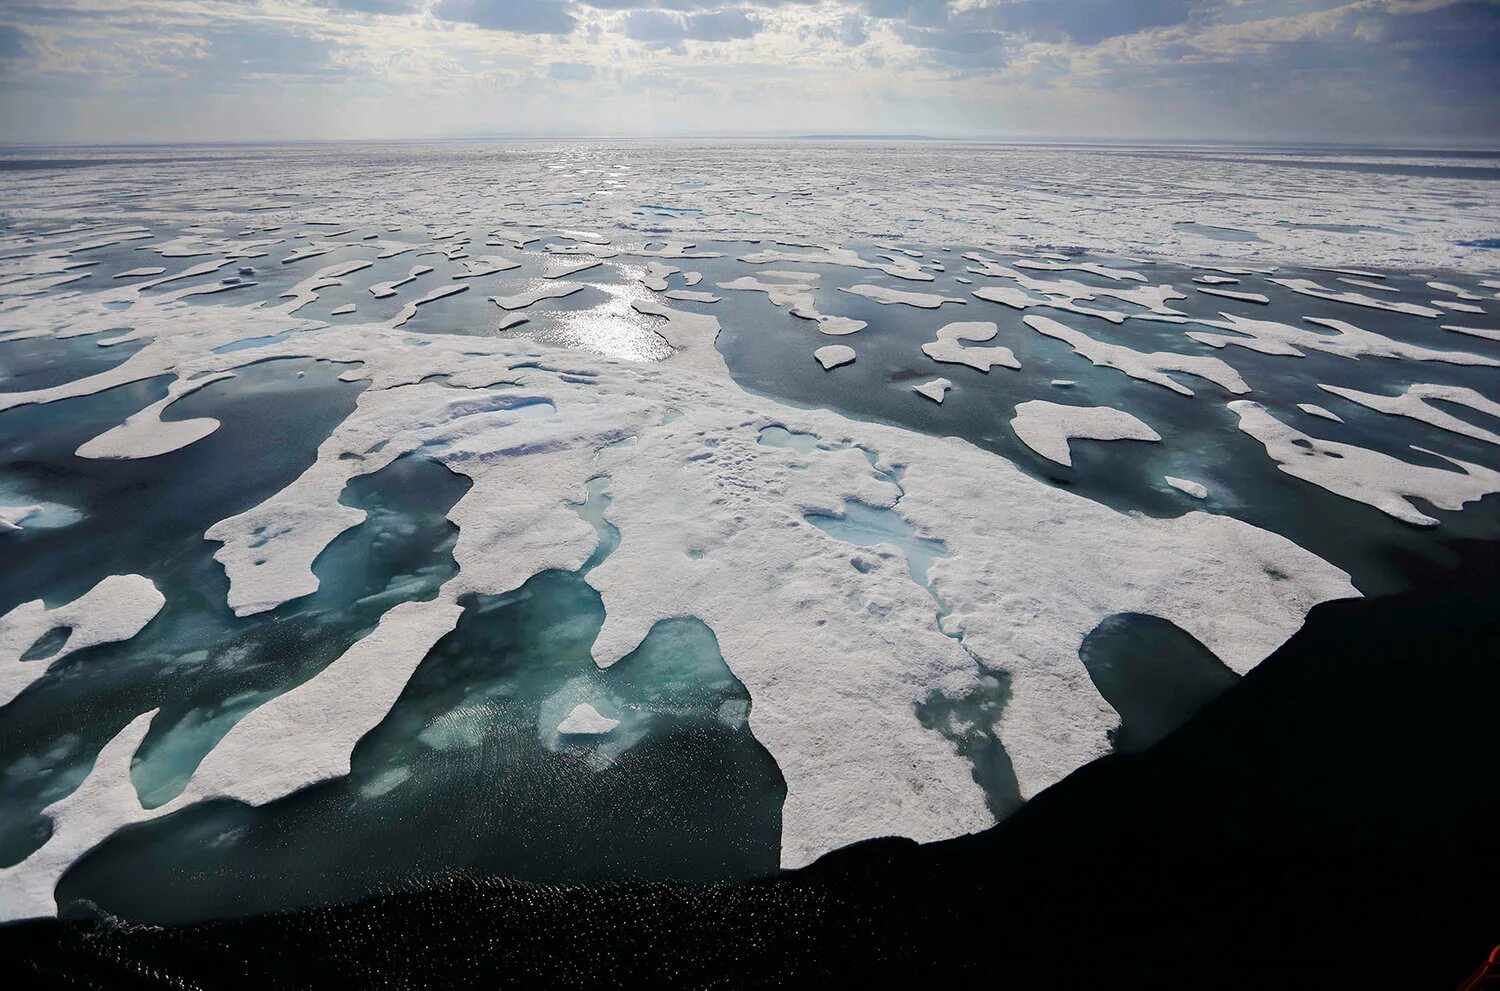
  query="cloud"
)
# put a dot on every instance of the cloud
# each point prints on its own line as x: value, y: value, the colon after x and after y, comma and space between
x: 376, y: 6
x: 517, y: 16
x: 660, y: 27
x: 570, y: 71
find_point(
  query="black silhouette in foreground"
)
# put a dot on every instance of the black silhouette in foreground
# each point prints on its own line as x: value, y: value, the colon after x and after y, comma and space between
x: 1332, y: 822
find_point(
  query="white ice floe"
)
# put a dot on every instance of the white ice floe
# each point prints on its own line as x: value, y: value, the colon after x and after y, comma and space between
x: 834, y: 355
x: 1118, y: 274
x: 383, y: 289
x: 521, y: 300
x: 1152, y: 367
x: 1416, y: 403
x: 1364, y: 475
x: 561, y: 268
x: 1309, y: 288
x: 1457, y: 307
x: 1312, y: 409
x: 345, y: 310
x: 689, y: 296
x: 882, y: 294
x: 441, y: 292
x: 113, y: 610
x: 1347, y: 341
x: 1065, y: 293
x: 585, y: 720
x: 1195, y: 489
x: 656, y: 275
x: 147, y: 435
x: 950, y: 348
x: 795, y: 289
x: 1458, y: 291
x: 936, y: 390
x: 475, y: 268
x: 898, y: 267
x: 1244, y: 297
x: 1047, y: 428
x: 1489, y: 335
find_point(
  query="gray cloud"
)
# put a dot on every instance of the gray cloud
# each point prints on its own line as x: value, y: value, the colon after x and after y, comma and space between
x: 518, y: 16
x: 665, y: 28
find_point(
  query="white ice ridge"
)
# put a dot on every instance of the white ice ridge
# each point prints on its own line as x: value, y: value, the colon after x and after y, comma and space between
x: 936, y: 390
x: 1152, y: 367
x: 1416, y: 403
x: 1309, y: 288
x: 835, y: 644
x: 949, y: 346
x: 115, y: 609
x: 283, y: 746
x: 1364, y: 475
x: 882, y: 294
x: 1047, y: 427
x: 834, y: 355
x: 1346, y: 341
x: 585, y: 720
x: 1195, y: 489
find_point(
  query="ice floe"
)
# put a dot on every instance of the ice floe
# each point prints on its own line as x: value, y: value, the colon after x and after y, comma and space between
x: 1364, y: 475
x: 1312, y: 409
x: 1309, y: 288
x: 1151, y: 367
x: 115, y: 609
x: 936, y: 390
x: 521, y: 300
x: 1416, y: 403
x: 1047, y: 428
x: 834, y: 355
x: 585, y: 720
x: 949, y: 346
x: 1347, y: 340
x: 1195, y: 489
x: 882, y: 294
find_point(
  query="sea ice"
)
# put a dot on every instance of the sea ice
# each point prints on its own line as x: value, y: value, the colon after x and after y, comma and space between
x: 115, y: 609
x: 1195, y: 489
x: 833, y: 356
x: 949, y: 346
x: 936, y: 390
x: 1364, y: 475
x: 1151, y: 367
x: 1047, y: 427
x: 585, y: 720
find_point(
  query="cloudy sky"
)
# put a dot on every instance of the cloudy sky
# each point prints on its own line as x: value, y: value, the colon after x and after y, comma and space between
x: 1369, y: 71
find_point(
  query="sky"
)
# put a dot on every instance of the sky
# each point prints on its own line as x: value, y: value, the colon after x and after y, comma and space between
x: 1377, y: 72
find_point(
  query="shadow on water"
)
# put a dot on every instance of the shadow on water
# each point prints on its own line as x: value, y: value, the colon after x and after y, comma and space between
x: 1154, y: 674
